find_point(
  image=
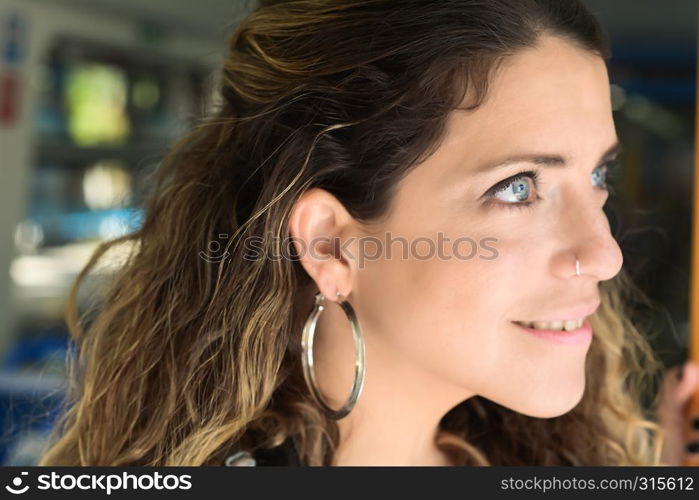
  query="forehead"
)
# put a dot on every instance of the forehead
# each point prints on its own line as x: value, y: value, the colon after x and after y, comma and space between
x: 552, y: 96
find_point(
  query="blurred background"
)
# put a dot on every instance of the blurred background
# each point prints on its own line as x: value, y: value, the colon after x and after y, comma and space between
x: 93, y: 92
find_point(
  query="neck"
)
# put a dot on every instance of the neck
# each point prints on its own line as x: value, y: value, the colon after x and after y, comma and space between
x: 390, y: 428
x: 396, y: 418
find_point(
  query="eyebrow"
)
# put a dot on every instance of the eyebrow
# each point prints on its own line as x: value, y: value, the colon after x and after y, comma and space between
x: 545, y: 160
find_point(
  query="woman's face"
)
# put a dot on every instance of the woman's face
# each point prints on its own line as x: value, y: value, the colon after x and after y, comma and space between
x: 450, y: 318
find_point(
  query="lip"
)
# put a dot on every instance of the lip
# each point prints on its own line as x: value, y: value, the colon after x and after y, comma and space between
x: 580, y: 336
x: 581, y: 311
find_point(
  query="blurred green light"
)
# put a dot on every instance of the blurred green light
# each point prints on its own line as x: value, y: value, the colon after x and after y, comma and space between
x: 96, y: 102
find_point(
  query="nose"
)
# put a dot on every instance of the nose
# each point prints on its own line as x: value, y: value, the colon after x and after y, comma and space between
x: 588, y: 238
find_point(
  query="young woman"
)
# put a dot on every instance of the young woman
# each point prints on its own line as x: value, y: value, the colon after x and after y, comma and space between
x: 416, y: 267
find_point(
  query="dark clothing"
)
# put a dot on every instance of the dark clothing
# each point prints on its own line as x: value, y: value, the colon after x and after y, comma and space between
x: 284, y: 455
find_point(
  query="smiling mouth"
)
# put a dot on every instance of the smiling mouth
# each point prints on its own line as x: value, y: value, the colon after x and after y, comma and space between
x: 563, y: 325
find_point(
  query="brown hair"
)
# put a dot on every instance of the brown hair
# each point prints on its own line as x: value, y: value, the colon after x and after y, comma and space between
x: 185, y: 358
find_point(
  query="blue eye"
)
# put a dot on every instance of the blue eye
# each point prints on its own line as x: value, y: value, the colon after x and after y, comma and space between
x: 599, y: 175
x: 603, y: 175
x: 515, y: 191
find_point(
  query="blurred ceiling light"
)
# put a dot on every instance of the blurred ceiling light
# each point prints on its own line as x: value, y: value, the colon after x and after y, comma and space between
x: 106, y: 184
x: 78, y: 254
x: 40, y: 270
x: 57, y: 267
x: 28, y: 236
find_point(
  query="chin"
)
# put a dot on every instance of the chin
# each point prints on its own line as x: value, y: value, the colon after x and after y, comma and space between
x: 551, y: 407
x: 544, y: 403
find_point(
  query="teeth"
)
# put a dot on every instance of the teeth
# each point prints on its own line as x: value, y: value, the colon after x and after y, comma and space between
x: 554, y: 325
x: 572, y: 324
x: 567, y: 325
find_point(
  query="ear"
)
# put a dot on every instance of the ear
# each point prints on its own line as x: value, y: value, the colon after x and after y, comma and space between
x: 319, y: 225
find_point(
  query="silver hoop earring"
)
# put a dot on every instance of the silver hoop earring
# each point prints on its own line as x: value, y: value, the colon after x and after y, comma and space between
x: 307, y: 357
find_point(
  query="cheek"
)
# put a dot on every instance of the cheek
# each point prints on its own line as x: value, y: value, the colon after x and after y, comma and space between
x: 484, y: 353
x: 450, y: 320
x: 444, y: 315
x: 477, y: 298
x: 527, y: 374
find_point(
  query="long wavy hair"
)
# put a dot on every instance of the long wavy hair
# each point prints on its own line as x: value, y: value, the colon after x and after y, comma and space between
x: 184, y: 357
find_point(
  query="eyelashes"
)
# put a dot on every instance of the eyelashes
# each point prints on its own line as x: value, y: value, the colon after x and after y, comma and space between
x: 532, y: 174
x: 610, y: 172
x: 502, y: 185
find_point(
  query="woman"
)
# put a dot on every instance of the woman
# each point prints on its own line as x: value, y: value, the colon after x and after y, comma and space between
x: 437, y: 168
